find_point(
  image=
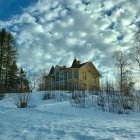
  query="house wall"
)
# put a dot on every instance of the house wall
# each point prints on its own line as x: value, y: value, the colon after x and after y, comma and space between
x: 73, y: 82
x: 90, y: 71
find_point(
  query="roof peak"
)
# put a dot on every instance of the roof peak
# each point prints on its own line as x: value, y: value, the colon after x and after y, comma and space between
x: 51, y: 70
x: 76, y: 64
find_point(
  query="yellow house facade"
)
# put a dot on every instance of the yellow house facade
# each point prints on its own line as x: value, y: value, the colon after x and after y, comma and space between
x: 80, y: 76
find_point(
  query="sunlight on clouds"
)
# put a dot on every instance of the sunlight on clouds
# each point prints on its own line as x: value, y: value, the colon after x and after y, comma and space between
x: 38, y: 28
x: 52, y: 32
x: 71, y: 41
x: 48, y: 27
x: 108, y: 4
x: 83, y: 34
x: 109, y: 36
x: 27, y: 18
x: 68, y: 22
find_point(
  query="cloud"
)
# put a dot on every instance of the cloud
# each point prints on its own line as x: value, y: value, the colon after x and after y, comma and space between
x: 51, y: 32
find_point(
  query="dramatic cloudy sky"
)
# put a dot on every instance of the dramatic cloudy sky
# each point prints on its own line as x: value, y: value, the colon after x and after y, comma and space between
x: 50, y: 32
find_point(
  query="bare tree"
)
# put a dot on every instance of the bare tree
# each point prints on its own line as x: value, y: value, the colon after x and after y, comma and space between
x: 135, y: 55
x: 32, y: 77
x: 107, y: 85
x: 36, y: 79
x: 41, y: 84
x: 122, y: 65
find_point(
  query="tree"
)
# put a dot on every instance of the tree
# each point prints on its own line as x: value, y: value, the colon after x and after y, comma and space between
x: 12, y: 79
x: 40, y: 80
x: 2, y: 51
x: 33, y: 77
x: 136, y: 49
x: 135, y: 53
x: 122, y: 64
x: 8, y: 57
x: 23, y: 83
x: 107, y: 85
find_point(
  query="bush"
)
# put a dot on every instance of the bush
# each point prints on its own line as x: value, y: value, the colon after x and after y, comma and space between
x: 47, y: 95
x: 136, y: 100
x: 115, y: 102
x: 21, y: 100
x: 81, y: 99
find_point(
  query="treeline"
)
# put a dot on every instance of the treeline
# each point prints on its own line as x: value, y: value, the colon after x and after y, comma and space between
x: 12, y: 78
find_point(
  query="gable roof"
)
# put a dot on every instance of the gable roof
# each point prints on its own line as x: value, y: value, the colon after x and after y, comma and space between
x: 95, y: 69
x: 51, y: 70
x: 76, y: 64
x: 81, y: 65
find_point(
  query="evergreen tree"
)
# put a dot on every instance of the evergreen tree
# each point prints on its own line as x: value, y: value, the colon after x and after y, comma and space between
x: 10, y: 76
x: 2, y: 52
x: 10, y: 63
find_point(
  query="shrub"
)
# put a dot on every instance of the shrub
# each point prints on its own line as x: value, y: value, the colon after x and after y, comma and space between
x: 21, y: 100
x: 115, y: 102
x: 47, y: 96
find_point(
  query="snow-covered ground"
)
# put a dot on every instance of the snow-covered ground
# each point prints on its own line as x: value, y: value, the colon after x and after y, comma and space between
x: 51, y: 120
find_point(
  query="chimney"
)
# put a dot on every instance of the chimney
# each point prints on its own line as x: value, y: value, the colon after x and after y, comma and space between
x: 78, y: 62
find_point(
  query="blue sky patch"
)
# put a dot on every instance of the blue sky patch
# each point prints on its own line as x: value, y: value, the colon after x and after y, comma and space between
x: 8, y: 8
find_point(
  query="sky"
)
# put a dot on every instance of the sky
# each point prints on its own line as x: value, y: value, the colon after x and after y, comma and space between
x: 54, y: 32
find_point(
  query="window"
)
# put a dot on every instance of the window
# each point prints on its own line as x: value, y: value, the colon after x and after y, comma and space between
x: 61, y: 76
x: 53, y: 80
x: 94, y: 78
x: 65, y: 76
x: 84, y: 76
x: 76, y: 74
x: 57, y: 76
x: 69, y: 74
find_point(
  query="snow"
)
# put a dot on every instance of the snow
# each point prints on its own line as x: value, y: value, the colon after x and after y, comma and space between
x: 52, y: 120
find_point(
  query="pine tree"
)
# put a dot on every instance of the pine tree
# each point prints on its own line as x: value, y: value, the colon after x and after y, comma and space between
x: 2, y: 58
x: 12, y: 79
x: 10, y: 64
x: 2, y: 52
